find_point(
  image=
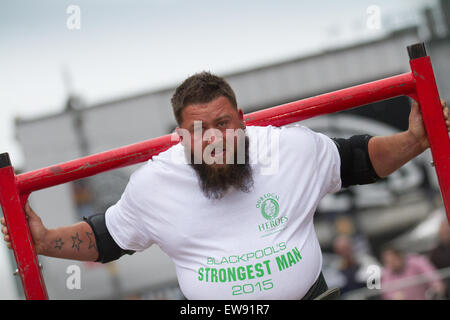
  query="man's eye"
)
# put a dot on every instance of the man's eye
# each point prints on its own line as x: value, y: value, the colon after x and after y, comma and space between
x: 222, y: 123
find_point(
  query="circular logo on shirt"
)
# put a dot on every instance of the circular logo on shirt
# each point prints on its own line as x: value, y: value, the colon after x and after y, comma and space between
x: 270, y: 208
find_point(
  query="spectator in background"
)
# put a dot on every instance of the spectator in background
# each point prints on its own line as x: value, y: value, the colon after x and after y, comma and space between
x: 352, y: 265
x: 440, y: 256
x: 399, y: 266
x: 346, y: 226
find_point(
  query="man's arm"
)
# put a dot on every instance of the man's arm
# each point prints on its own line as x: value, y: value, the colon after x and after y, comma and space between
x: 366, y: 159
x: 89, y: 240
x: 388, y: 154
x: 75, y: 242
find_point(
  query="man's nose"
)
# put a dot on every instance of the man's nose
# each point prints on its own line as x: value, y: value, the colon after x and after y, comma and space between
x: 213, y: 137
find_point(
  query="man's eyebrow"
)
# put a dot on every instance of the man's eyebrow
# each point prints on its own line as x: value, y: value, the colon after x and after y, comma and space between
x: 227, y: 116
x: 223, y: 117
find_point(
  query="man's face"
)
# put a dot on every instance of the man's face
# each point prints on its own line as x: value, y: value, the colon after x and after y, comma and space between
x: 393, y: 261
x: 343, y: 247
x: 213, y: 135
x: 213, y: 129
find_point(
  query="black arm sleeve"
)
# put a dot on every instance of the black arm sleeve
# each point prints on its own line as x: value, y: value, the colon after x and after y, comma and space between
x: 108, y: 250
x: 356, y: 167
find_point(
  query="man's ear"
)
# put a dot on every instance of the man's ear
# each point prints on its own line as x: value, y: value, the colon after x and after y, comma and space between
x: 241, y: 115
x: 178, y: 131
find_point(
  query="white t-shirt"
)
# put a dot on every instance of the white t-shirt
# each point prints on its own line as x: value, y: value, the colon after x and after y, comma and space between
x: 257, y: 245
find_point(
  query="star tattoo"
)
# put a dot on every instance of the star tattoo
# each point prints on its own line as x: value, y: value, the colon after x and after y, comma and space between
x: 91, y: 243
x: 76, y: 242
x: 59, y: 244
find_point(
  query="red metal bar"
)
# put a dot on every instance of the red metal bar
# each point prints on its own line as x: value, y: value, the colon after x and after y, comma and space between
x: 419, y: 83
x: 93, y: 164
x: 403, y: 84
x: 21, y: 241
x: 288, y: 113
x: 431, y: 109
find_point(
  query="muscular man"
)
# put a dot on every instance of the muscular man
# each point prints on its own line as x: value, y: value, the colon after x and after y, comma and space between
x: 233, y: 228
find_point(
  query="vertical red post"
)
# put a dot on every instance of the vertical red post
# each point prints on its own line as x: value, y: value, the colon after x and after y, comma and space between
x: 430, y: 106
x: 19, y: 233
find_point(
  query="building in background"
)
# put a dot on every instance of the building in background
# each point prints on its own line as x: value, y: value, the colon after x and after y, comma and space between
x: 379, y: 212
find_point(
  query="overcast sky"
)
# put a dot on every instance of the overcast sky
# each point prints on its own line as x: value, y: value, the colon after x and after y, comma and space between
x: 126, y: 47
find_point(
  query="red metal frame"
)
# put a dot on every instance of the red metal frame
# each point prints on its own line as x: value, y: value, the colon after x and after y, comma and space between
x: 434, y: 122
x: 418, y: 84
x: 21, y: 241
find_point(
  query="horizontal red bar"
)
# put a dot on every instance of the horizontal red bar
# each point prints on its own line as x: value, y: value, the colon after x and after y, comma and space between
x: 91, y: 165
x: 403, y: 84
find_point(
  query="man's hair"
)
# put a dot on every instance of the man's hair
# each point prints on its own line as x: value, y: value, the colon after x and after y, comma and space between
x: 200, y: 88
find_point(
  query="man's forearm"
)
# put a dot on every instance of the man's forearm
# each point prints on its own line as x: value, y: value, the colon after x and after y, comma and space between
x: 389, y: 153
x: 75, y: 242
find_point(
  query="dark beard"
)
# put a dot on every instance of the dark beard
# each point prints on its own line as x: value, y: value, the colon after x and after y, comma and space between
x: 214, y: 182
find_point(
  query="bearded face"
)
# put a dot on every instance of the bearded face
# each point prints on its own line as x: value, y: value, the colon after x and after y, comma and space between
x: 215, y: 144
x: 215, y: 181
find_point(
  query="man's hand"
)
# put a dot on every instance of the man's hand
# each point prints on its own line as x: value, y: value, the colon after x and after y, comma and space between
x: 37, y: 229
x: 416, y: 126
